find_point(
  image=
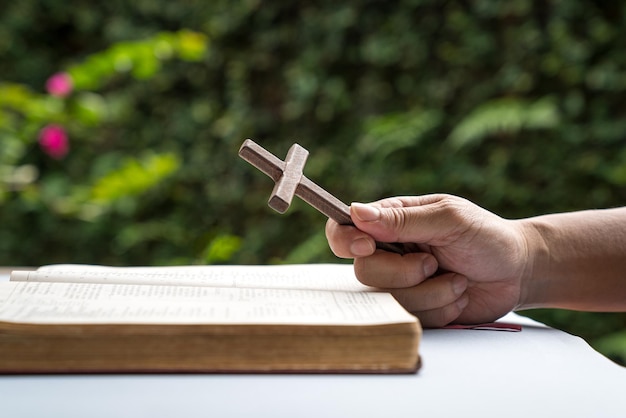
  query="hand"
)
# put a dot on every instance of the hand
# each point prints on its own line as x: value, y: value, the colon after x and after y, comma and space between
x: 468, y: 265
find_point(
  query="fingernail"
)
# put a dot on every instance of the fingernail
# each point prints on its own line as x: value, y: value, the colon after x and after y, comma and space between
x: 365, y: 213
x: 430, y: 266
x: 362, y: 247
x: 459, y: 284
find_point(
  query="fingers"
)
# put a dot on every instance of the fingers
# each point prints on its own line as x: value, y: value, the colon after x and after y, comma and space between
x: 348, y: 241
x: 436, y: 318
x: 390, y: 270
x: 436, y: 302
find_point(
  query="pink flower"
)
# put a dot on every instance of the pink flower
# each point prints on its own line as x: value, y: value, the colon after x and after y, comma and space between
x: 59, y: 84
x: 53, y: 141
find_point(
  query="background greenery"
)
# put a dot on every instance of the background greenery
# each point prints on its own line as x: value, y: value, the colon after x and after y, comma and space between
x: 516, y: 105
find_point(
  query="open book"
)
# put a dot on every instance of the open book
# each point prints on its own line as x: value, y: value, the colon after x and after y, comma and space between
x: 290, y: 318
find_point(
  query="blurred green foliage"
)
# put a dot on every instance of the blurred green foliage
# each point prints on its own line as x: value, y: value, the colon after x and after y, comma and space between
x: 516, y: 105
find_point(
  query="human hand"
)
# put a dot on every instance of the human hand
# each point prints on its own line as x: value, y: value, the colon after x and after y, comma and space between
x: 468, y: 265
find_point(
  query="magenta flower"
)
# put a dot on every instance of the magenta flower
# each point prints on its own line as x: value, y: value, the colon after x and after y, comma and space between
x: 59, y: 84
x: 53, y: 141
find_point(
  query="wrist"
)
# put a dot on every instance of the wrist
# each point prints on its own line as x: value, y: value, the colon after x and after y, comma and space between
x: 535, y: 271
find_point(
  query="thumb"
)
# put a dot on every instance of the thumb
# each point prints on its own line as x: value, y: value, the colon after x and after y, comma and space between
x: 393, y: 224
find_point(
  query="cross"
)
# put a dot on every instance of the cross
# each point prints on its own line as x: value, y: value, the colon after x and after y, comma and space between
x: 290, y: 180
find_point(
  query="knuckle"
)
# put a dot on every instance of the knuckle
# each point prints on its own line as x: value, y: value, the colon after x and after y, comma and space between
x: 451, y: 207
x: 399, y: 219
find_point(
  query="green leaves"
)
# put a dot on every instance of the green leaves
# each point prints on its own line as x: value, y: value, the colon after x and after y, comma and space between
x: 142, y: 59
x: 504, y: 117
x: 391, y: 132
x: 414, y: 98
x: 119, y: 190
x: 613, y: 346
x: 221, y: 249
x: 26, y: 114
x: 133, y: 178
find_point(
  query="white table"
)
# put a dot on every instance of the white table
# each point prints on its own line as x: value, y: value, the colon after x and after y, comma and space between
x: 539, y: 372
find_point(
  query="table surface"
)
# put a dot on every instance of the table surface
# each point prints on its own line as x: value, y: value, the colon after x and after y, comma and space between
x: 539, y: 372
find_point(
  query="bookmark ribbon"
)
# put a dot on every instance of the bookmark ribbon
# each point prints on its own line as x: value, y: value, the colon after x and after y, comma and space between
x: 490, y: 326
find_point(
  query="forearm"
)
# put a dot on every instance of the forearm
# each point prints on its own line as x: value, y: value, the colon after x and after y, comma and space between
x: 576, y: 261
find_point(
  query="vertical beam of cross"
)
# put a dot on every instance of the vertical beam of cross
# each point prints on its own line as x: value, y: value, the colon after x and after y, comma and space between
x: 286, y: 187
x: 290, y: 180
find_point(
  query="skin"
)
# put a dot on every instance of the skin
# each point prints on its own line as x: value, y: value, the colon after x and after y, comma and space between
x: 471, y: 266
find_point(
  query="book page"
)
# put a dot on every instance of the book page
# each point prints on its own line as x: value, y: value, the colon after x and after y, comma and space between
x: 306, y: 276
x: 81, y: 303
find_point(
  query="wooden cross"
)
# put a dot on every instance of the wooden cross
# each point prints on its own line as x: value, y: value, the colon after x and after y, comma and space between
x: 290, y: 180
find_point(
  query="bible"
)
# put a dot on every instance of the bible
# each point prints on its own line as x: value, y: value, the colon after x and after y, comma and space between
x: 202, y: 319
